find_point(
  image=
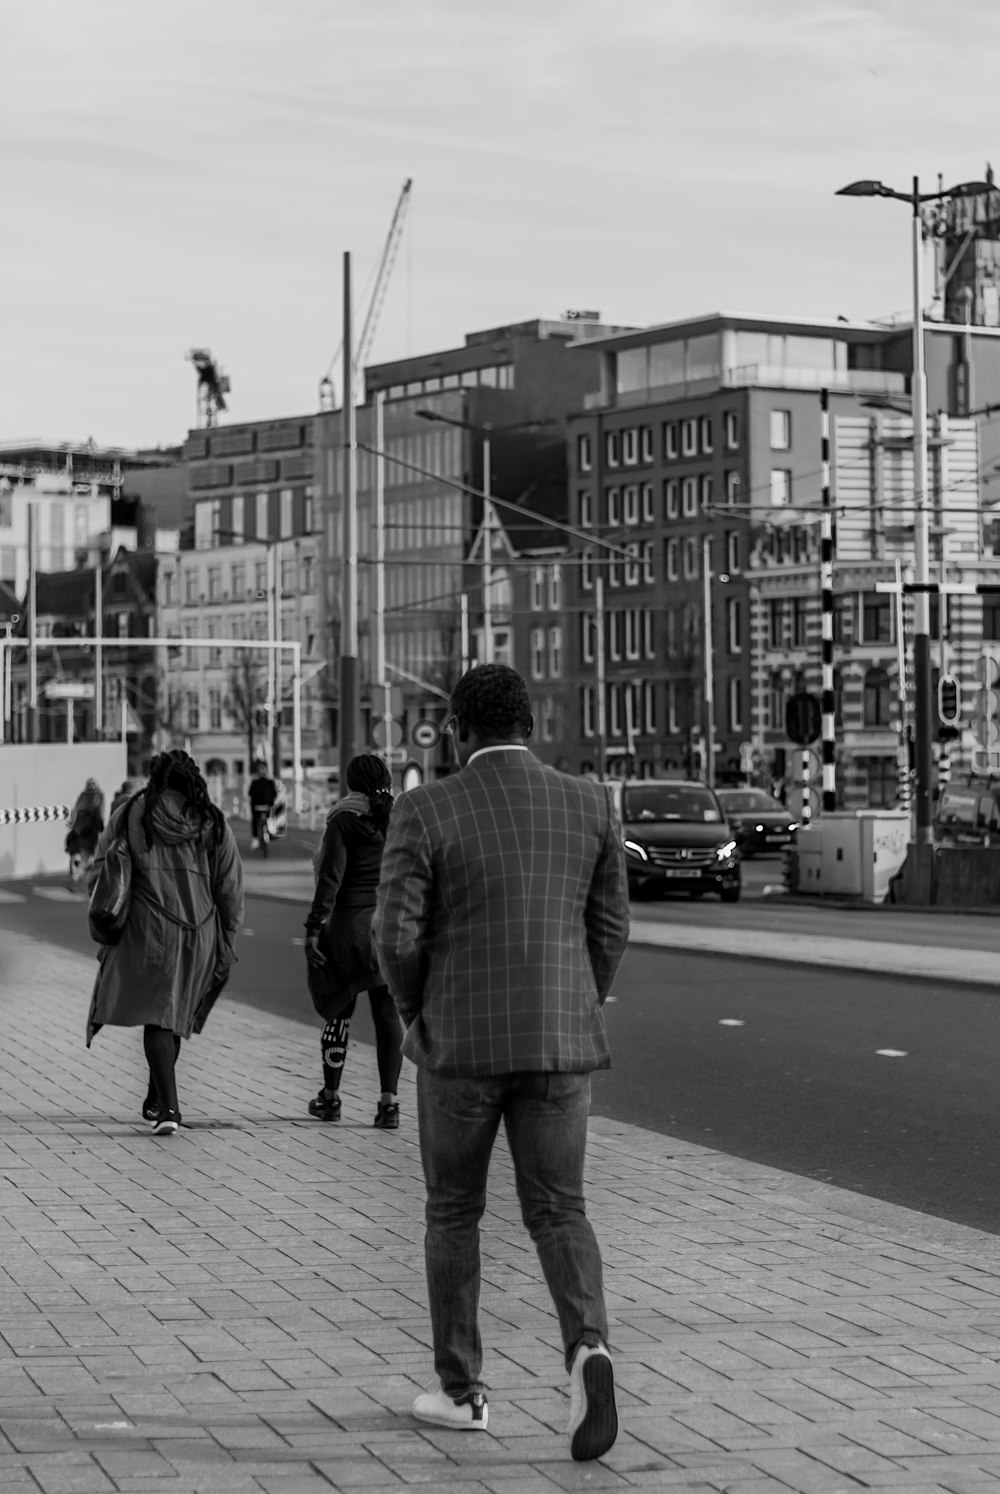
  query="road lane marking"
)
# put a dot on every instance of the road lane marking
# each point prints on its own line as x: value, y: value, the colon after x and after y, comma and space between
x: 891, y: 1053
x: 731, y: 1022
x: 59, y: 894
x: 12, y: 897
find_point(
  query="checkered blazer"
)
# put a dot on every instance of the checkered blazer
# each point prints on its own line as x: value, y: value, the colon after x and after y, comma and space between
x: 502, y: 916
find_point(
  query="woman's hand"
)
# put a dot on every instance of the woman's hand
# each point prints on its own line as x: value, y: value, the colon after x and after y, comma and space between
x: 314, y: 954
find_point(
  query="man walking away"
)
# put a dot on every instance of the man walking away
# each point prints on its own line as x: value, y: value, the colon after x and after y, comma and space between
x: 502, y: 916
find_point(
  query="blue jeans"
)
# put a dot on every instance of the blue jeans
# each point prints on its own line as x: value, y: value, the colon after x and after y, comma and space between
x: 545, y: 1116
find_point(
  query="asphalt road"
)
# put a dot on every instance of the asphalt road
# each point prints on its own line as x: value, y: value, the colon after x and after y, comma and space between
x: 873, y: 1083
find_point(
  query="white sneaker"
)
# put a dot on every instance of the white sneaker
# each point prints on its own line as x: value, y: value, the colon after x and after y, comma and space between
x: 593, y: 1416
x: 467, y: 1413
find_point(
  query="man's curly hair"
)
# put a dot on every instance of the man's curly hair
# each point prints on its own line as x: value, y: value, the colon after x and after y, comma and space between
x: 492, y: 701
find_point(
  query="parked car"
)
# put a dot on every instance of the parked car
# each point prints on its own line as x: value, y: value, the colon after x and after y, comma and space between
x: 759, y: 822
x: 968, y: 815
x: 677, y: 839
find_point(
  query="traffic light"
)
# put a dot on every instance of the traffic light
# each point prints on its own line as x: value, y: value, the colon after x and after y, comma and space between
x: 803, y: 718
x: 985, y: 724
x: 949, y: 701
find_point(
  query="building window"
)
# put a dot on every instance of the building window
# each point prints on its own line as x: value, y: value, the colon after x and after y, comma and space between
x: 735, y: 692
x: 671, y: 548
x: 586, y: 509
x: 648, y: 514
x: 214, y: 583
x: 670, y: 625
x: 706, y: 492
x: 631, y: 503
x: 670, y: 440
x: 555, y: 652
x: 584, y: 453
x: 877, y: 619
x: 307, y: 575
x: 732, y: 550
x: 190, y: 584
x: 261, y: 514
x: 587, y: 571
x: 731, y: 430
x: 646, y: 443
x: 689, y: 497
x: 169, y: 588
x: 649, y: 708
x: 215, y: 710
x: 548, y: 714
x: 555, y: 588
x: 843, y: 619
x: 648, y: 637
x: 883, y: 781
x: 632, y: 634
x: 877, y: 698
x: 616, y: 713
x: 192, y: 711
x: 776, y: 622
x: 799, y: 622
x: 630, y: 446
x: 537, y: 597
x: 690, y: 557
x: 612, y: 448
x: 689, y: 438
x: 587, y: 710
x: 614, y: 573
x: 705, y: 433
x: 732, y: 482
x: 671, y: 498
x: 672, y: 725
x: 781, y: 487
x: 648, y: 575
x: 991, y: 620
x: 285, y: 514
x: 537, y: 653
x: 588, y: 626
x: 781, y: 430
x: 734, y: 633
x: 237, y: 580
x: 614, y: 502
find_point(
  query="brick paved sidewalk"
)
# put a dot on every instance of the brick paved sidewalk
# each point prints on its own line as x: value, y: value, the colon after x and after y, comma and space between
x: 242, y: 1307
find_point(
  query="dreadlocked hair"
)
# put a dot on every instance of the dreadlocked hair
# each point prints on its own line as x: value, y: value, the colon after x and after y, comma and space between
x: 368, y: 774
x: 177, y: 770
x: 492, y: 701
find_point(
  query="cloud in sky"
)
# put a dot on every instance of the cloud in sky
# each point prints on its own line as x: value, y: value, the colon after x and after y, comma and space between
x: 191, y: 173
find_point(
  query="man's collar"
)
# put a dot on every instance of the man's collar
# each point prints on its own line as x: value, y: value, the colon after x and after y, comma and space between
x: 500, y: 747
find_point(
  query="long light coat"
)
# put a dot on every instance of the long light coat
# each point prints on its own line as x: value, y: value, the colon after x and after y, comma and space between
x: 187, y: 902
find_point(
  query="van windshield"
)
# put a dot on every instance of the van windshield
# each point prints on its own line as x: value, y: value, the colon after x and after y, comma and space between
x: 668, y: 801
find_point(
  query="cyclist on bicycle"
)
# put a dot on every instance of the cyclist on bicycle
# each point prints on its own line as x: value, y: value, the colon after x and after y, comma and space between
x: 263, y: 795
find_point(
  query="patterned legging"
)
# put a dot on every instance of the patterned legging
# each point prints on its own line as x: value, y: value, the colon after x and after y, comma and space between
x: 388, y: 1042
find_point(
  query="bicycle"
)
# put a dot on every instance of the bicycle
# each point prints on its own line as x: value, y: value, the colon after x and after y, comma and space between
x: 260, y: 832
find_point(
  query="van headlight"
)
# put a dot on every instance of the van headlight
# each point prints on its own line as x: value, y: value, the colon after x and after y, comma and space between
x: 633, y: 848
x: 725, y: 851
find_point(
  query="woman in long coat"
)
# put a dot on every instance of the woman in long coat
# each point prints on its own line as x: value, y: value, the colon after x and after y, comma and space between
x: 338, y: 943
x: 186, y: 905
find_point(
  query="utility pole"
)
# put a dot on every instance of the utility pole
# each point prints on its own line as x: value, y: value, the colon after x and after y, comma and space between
x: 383, y: 690
x: 98, y: 651
x: 32, y: 721
x: 487, y: 548
x: 600, y: 673
x: 708, y: 662
x: 274, y: 549
x: 923, y: 708
x: 349, y: 712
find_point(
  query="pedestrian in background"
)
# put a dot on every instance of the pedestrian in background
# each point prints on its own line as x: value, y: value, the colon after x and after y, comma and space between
x: 84, y: 830
x: 263, y: 795
x: 186, y: 905
x: 502, y: 917
x: 340, y: 956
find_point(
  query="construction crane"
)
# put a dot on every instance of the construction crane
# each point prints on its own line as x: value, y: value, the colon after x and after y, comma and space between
x: 213, y: 386
x: 379, y: 289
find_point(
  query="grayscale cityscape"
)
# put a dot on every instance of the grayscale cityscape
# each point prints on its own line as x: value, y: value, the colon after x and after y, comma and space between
x: 500, y: 757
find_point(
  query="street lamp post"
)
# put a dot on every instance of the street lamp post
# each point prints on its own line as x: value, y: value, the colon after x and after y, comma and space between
x: 923, y: 706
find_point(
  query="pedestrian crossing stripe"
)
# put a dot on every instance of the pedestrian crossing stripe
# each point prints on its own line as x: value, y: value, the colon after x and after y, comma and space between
x: 12, y: 897
x: 33, y: 814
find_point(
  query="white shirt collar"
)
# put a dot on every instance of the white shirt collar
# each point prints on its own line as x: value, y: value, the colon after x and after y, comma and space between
x: 501, y: 747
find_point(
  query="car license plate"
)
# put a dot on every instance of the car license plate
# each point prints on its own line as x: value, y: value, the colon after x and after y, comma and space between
x: 681, y: 872
x: 778, y: 835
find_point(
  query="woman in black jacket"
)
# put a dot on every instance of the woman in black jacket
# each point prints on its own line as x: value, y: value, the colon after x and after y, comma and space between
x: 338, y: 944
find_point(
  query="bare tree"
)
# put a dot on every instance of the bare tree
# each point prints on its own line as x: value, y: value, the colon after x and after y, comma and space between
x: 243, y: 698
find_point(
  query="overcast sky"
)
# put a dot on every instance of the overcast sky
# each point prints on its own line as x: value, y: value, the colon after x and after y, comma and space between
x: 190, y: 173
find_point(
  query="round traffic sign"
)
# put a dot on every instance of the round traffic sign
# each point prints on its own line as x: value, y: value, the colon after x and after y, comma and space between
x: 425, y: 734
x: 379, y: 731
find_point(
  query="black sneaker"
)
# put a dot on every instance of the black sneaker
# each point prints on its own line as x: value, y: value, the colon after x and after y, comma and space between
x: 593, y: 1416
x: 167, y: 1122
x: 387, y: 1115
x: 325, y: 1107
